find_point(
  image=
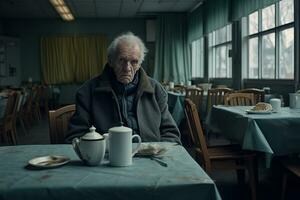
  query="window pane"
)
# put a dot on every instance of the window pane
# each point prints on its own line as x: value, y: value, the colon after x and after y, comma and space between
x: 286, y: 11
x: 286, y: 54
x: 268, y: 17
x: 221, y: 35
x: 210, y: 39
x: 221, y: 62
x: 229, y: 32
x: 253, y: 58
x: 253, y: 23
x: 268, y: 56
x: 197, y: 58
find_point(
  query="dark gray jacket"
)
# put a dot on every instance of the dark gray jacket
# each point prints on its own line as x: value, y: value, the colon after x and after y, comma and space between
x: 96, y: 105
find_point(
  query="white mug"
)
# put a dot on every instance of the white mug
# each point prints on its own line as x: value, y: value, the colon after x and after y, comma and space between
x: 171, y: 85
x: 120, y: 146
x: 276, y: 104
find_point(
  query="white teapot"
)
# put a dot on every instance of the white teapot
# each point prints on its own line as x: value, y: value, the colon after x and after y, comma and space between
x: 90, y: 148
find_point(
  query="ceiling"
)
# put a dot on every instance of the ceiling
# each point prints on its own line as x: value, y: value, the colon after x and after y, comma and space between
x: 94, y: 8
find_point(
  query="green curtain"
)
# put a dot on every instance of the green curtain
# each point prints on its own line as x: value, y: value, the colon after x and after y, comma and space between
x: 171, y: 56
x: 195, y: 24
x: 69, y: 59
x: 242, y: 8
x: 216, y: 14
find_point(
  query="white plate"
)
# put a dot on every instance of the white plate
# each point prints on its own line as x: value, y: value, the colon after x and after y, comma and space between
x: 49, y: 161
x: 150, y: 150
x: 259, y: 112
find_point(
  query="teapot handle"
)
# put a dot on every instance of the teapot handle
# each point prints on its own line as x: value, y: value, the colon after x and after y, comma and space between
x: 134, y: 151
x: 75, y: 144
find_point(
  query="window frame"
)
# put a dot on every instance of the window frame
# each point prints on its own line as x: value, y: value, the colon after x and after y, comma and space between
x: 276, y: 30
x: 212, y: 58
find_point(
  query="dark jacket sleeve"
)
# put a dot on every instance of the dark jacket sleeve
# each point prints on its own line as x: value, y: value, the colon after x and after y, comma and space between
x: 80, y: 121
x: 168, y: 129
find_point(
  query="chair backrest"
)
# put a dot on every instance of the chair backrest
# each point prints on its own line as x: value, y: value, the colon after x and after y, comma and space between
x: 195, y: 95
x: 216, y: 97
x: 239, y: 99
x: 59, y: 122
x: 12, y: 104
x: 196, y: 131
x: 259, y: 95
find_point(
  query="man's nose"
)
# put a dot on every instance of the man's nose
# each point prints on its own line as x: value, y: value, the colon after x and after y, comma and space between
x: 127, y: 66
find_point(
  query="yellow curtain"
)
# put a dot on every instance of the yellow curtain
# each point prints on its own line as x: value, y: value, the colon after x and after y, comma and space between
x: 68, y: 59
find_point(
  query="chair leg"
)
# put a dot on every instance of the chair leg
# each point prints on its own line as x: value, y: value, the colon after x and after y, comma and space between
x: 240, y: 176
x: 252, y: 177
x: 23, y: 126
x: 12, y: 137
x: 284, y: 182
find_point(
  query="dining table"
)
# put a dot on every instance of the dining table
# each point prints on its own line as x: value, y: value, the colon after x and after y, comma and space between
x: 176, y: 106
x: 274, y: 133
x: 181, y: 178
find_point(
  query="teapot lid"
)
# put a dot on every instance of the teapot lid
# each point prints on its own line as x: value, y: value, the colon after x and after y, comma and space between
x: 120, y: 129
x: 92, y: 135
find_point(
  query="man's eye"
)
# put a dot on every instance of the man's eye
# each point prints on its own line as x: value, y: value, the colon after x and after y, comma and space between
x: 122, y: 60
x: 134, y: 62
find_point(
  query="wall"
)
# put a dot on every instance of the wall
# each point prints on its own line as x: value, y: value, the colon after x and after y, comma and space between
x: 12, y: 69
x: 30, y: 31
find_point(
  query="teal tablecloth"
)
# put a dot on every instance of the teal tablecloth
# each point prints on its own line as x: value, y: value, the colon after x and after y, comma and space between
x: 275, y: 133
x: 145, y: 179
x: 176, y: 107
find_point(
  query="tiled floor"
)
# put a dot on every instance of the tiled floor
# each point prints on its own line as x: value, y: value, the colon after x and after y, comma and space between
x: 269, y: 184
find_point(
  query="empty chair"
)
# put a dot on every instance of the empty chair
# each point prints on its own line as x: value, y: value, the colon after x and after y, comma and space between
x: 259, y: 95
x: 8, y: 123
x: 195, y: 95
x: 239, y: 99
x: 220, y: 157
x: 216, y: 97
x: 291, y: 167
x: 59, y: 122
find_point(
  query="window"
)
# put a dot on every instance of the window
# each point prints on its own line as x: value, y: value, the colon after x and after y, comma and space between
x: 270, y: 40
x: 198, y: 58
x: 220, y: 63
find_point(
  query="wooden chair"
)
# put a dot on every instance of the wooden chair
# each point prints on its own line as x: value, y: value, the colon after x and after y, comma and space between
x: 36, y: 95
x: 216, y: 97
x: 229, y: 157
x: 239, y: 99
x: 259, y: 95
x: 59, y: 122
x: 291, y: 167
x: 8, y: 123
x: 196, y: 95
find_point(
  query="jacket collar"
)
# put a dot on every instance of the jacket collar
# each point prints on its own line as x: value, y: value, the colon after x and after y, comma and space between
x: 104, y: 83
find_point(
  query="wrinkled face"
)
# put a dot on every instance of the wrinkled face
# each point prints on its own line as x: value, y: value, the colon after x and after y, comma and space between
x: 126, y: 63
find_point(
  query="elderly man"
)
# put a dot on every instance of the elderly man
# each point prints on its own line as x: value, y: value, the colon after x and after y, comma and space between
x: 124, y: 94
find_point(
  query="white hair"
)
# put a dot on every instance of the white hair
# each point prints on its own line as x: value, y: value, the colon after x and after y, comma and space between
x: 129, y: 38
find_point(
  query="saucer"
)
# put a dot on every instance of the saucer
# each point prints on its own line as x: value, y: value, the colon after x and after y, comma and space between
x: 50, y: 161
x: 260, y: 112
x: 150, y: 150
